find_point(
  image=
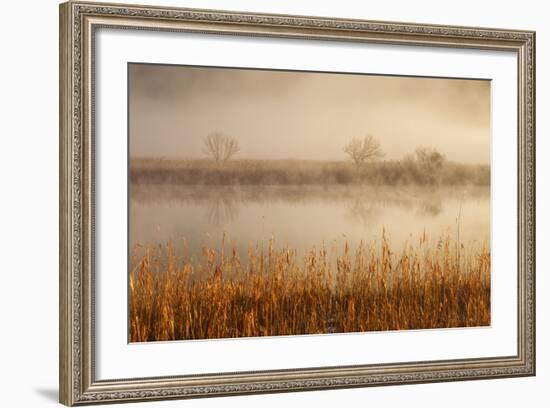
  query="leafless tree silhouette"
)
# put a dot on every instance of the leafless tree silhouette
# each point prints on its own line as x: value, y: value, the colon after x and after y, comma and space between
x: 362, y: 151
x: 431, y: 159
x: 220, y: 147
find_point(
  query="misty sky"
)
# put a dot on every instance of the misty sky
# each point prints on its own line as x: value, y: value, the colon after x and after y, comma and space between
x: 281, y: 115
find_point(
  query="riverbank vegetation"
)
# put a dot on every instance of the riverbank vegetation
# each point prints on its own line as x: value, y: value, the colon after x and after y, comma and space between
x: 409, y: 171
x: 274, y: 291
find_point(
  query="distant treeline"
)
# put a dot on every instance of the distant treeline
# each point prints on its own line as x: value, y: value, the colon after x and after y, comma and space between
x: 301, y: 172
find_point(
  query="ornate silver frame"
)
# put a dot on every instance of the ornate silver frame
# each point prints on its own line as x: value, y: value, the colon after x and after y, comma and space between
x: 78, y: 22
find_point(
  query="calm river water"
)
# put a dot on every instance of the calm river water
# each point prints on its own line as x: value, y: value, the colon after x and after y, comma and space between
x: 191, y: 217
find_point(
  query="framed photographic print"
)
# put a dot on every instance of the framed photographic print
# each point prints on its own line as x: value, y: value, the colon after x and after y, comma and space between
x: 258, y: 203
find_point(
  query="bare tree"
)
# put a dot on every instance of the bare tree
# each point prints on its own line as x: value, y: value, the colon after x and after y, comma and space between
x: 431, y: 159
x: 430, y: 162
x: 362, y: 151
x: 220, y: 147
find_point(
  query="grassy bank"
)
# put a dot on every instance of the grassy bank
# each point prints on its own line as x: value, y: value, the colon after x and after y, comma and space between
x: 273, y: 292
x: 302, y: 172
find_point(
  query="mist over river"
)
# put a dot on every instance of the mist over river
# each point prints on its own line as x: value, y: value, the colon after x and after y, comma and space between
x: 302, y: 217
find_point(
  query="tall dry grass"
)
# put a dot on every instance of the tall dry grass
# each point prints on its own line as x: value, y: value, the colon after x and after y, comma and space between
x: 275, y: 292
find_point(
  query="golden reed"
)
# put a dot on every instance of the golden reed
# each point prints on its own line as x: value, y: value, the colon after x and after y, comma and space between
x: 276, y: 293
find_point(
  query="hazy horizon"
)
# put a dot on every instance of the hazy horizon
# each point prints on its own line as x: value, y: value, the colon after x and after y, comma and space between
x: 277, y: 115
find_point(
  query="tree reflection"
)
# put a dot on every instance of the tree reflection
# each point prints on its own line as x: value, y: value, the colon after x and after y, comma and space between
x: 430, y: 208
x: 222, y: 210
x: 363, y: 212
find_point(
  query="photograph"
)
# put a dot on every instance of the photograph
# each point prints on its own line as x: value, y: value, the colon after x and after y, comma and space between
x: 272, y: 200
x: 268, y: 202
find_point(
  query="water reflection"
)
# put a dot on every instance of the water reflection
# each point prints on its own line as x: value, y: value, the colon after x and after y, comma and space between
x: 430, y: 208
x: 363, y: 212
x: 427, y: 199
x: 301, y: 217
x: 221, y: 210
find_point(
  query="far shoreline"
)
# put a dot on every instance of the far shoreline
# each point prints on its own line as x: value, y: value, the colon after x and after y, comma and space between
x: 299, y: 172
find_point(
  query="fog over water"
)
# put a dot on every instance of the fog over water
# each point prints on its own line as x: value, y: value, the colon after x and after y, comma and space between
x: 300, y: 115
x: 305, y: 116
x: 303, y: 218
